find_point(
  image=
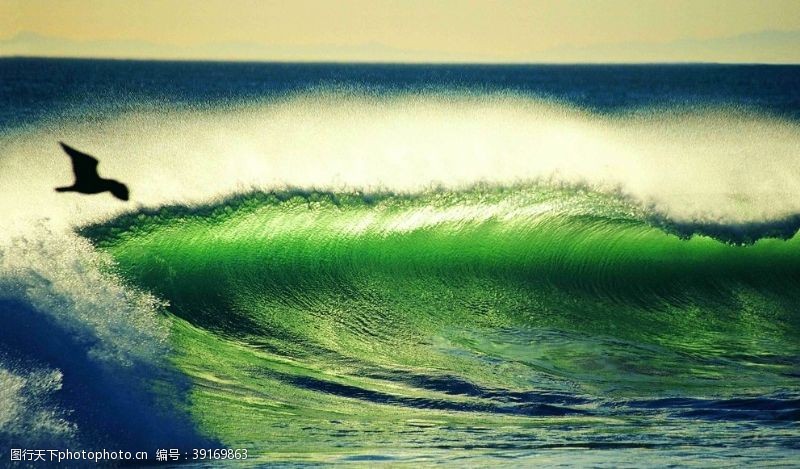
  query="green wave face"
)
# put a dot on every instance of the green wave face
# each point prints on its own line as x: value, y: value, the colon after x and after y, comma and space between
x: 316, y: 325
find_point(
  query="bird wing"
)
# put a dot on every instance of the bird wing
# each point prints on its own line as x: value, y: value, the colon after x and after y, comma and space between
x: 84, y: 166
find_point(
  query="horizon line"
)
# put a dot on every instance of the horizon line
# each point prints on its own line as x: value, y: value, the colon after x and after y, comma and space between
x: 378, y: 62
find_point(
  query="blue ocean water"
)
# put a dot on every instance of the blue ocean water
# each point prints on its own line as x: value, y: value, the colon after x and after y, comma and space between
x: 35, y: 88
x: 589, y: 265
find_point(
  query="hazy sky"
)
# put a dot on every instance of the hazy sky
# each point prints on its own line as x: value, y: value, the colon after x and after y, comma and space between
x: 414, y: 30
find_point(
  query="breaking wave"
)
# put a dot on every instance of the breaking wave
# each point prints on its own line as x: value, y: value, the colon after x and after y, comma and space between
x: 418, y: 262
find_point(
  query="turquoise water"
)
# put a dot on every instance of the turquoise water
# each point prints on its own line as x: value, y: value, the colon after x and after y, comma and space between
x: 521, y: 319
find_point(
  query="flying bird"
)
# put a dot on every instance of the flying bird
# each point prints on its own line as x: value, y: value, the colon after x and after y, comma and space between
x: 87, y: 181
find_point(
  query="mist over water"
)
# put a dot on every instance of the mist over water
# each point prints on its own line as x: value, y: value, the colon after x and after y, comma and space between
x: 719, y: 165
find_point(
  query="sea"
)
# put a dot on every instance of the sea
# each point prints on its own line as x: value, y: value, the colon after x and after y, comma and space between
x: 422, y: 265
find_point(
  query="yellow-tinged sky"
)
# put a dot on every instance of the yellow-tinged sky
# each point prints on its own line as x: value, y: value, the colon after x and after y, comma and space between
x: 407, y: 30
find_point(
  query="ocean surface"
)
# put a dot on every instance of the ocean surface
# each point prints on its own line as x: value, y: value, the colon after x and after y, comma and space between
x: 470, y: 265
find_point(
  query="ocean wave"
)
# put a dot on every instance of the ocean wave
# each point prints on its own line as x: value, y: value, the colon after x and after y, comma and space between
x: 561, y: 234
x: 451, y: 262
x: 80, y: 352
x: 715, y: 165
x: 534, y: 301
x: 309, y: 249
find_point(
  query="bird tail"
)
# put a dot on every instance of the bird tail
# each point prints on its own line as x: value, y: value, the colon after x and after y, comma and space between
x: 119, y: 190
x: 63, y: 189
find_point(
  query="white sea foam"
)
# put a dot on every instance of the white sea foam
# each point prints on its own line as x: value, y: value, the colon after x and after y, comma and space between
x: 712, y: 165
x: 61, y: 275
x: 26, y: 410
x: 69, y: 290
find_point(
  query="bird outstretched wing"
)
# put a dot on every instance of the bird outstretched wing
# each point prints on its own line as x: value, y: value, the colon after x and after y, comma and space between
x: 84, y: 166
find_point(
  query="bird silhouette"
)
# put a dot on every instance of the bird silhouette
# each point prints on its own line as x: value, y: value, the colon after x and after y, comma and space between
x: 87, y: 181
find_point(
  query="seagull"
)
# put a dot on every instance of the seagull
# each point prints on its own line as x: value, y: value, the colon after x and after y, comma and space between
x: 87, y: 181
